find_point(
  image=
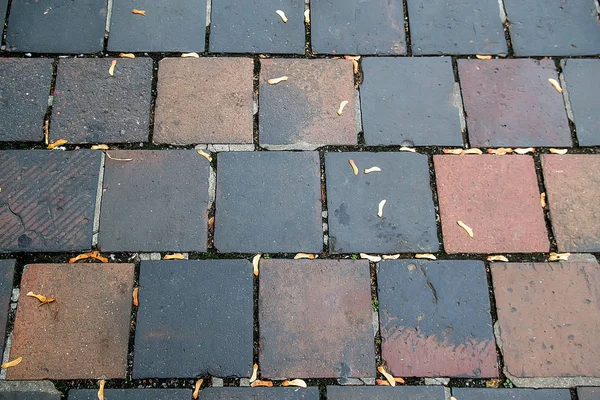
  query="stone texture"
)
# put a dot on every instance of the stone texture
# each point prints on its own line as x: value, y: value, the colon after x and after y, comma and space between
x: 465, y: 27
x: 548, y: 318
x: 315, y: 319
x: 26, y: 390
x: 131, y: 394
x: 276, y: 393
x: 24, y: 89
x: 435, y: 319
x: 195, y: 318
x: 357, y: 27
x: 410, y: 101
x: 385, y: 393
x: 54, y: 26
x: 268, y: 202
x: 510, y: 394
x: 588, y: 393
x: 7, y: 270
x: 172, y: 216
x: 301, y: 113
x: 510, y: 103
x: 47, y: 199
x: 205, y: 100
x: 92, y: 309
x: 90, y: 106
x: 498, y: 197
x: 3, y: 7
x: 408, y: 223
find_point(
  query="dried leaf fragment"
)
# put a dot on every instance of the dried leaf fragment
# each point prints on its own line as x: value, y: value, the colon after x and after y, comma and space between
x: 197, y: 388
x: 275, y: 81
x: 307, y: 16
x: 404, y: 148
x: 398, y: 380
x: 465, y: 227
x: 372, y: 169
x: 525, y: 151
x: 41, y: 298
x: 92, y: 254
x: 342, y: 105
x: 127, y: 55
x: 176, y: 256
x: 136, y: 301
x: 483, y: 56
x: 304, y: 255
x: 354, y: 62
x: 426, y: 256
x: 452, y: 151
x: 111, y: 70
x: 254, y: 373
x: 46, y: 132
x: 558, y: 151
x: 500, y: 151
x: 390, y: 256
x: 205, y: 155
x: 388, y: 376
x: 99, y: 147
x: 190, y: 55
x: 139, y: 12
x: 12, y: 363
x: 354, y: 167
x: 380, y: 212
x: 118, y: 159
x: 294, y: 382
x: 255, y: 261
x: 497, y: 258
x: 282, y: 15
x: 381, y: 382
x: 101, y: 389
x: 543, y: 200
x: 471, y: 151
x: 59, y: 142
x: 559, y: 256
x: 258, y: 382
x: 370, y: 258
x: 556, y: 85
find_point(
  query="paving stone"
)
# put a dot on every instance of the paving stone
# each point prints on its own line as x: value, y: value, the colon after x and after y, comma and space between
x: 357, y: 27
x: 385, y: 393
x: 588, y: 393
x: 510, y: 103
x: 7, y: 270
x: 435, y: 319
x: 195, y: 318
x: 408, y: 223
x: 275, y: 393
x: 47, y: 199
x: 548, y: 318
x: 315, y: 319
x: 251, y: 186
x: 238, y: 26
x: 173, y: 214
x: 55, y: 27
x: 465, y: 27
x: 411, y: 101
x: 3, y: 7
x: 26, y: 390
x: 553, y: 28
x: 24, y: 89
x: 90, y: 106
x: 205, y: 100
x: 301, y: 113
x: 92, y: 310
x: 172, y: 25
x: 510, y: 394
x: 496, y: 196
x: 132, y: 394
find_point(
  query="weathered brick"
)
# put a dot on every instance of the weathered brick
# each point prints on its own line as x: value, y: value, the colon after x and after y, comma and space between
x: 7, y: 270
x: 275, y: 393
x: 588, y: 393
x: 510, y: 394
x: 131, y: 394
x: 385, y: 393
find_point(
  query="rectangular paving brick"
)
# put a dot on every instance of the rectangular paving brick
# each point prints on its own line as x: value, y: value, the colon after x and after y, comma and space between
x: 7, y: 270
x: 497, y: 197
x: 511, y: 103
x: 385, y: 393
x: 301, y: 113
x: 275, y: 393
x: 206, y: 100
x: 465, y: 27
x: 195, y: 318
x: 548, y: 318
x: 357, y: 27
x: 408, y: 223
x: 47, y: 199
x: 588, y: 393
x: 268, y: 202
x: 435, y: 319
x: 27, y: 390
x: 24, y: 90
x: 158, y: 201
x: 90, y: 106
x: 510, y: 394
x: 315, y: 319
x: 410, y: 101
x: 131, y: 394
x: 92, y: 309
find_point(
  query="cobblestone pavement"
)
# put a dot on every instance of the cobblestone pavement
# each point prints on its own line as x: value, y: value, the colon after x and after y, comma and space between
x: 280, y: 199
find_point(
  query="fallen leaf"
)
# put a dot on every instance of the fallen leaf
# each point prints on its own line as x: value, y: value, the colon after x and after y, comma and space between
x: 389, y: 377
x: 380, y: 212
x: 381, y: 382
x: 101, y: 389
x: 92, y: 254
x: 559, y: 151
x: 118, y: 159
x: 99, y: 147
x: 262, y: 56
x: 556, y: 85
x: 176, y: 256
x: 190, y: 55
x: 354, y: 167
x: 465, y: 227
x: 426, y: 256
x: 41, y: 298
x: 136, y: 301
x: 404, y: 148
x: 483, y: 57
x: 282, y: 15
x: 127, y: 55
x: 525, y: 151
x: 471, y: 151
x: 307, y: 16
x: 370, y: 258
x: 500, y: 151
x: 497, y: 258
x: 294, y: 382
x: 493, y: 383
x: 390, y: 256
x: 452, y: 151
x: 205, y: 155
x: 452, y: 398
x: 197, y: 388
x: 543, y: 200
x: 342, y: 105
x: 255, y: 261
x: 372, y: 169
x: 304, y: 255
x: 59, y: 142
x: 254, y: 373
x: 354, y: 62
x: 139, y: 12
x: 275, y: 81
x: 398, y: 380
x: 261, y: 383
x: 353, y: 58
x: 12, y: 363
x: 46, y: 132
x: 559, y: 256
x: 111, y: 70
x: 211, y: 223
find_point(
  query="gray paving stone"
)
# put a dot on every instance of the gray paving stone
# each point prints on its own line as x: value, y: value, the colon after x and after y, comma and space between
x: 131, y: 394
x: 410, y: 101
x: 3, y: 7
x: 408, y: 222
x: 27, y: 390
x: 510, y: 394
x: 7, y: 270
x: 588, y: 393
x: 195, y: 318
x: 275, y: 393
x: 385, y: 393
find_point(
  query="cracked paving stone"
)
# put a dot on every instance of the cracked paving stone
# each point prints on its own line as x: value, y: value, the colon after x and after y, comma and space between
x: 275, y: 393
x: 131, y: 394
x: 7, y: 270
x: 385, y: 393
x: 510, y: 394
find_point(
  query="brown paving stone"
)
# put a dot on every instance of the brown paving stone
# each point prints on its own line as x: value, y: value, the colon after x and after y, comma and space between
x: 549, y: 318
x: 206, y: 100
x: 497, y: 196
x: 315, y: 319
x: 85, y: 333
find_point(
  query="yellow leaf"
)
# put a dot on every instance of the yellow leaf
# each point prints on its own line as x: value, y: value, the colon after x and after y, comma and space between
x: 304, y: 255
x: 43, y: 299
x: 275, y: 81
x: 372, y: 169
x: 138, y: 12
x: 59, y: 142
x: 381, y: 382
x: 525, y: 151
x: 497, y: 258
x: 197, y: 388
x: 176, y: 256
x: 471, y: 151
x: 294, y: 382
x: 370, y: 258
x: 387, y: 375
x: 255, y: 261
x: 500, y: 151
x: 390, y: 256
x: 483, y: 57
x: 261, y: 383
x: 354, y: 167
x: 111, y: 70
x: 136, y: 301
x: 465, y: 227
x: 99, y: 147
x: 254, y: 373
x: 543, y: 200
x: 307, y: 16
x: 404, y: 148
x: 101, y: 390
x: 453, y: 151
x: 127, y: 55
x: 555, y: 84
x: 190, y: 55
x: 12, y: 363
x: 426, y: 256
x: 282, y: 15
x: 342, y: 105
x: 559, y: 151
x: 559, y: 256
x: 205, y: 155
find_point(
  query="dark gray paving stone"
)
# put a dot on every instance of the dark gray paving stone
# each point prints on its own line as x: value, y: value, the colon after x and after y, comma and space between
x: 588, y: 393
x: 90, y: 106
x: 408, y: 222
x: 195, y: 318
x: 239, y: 26
x: 53, y: 26
x: 385, y: 393
x: 171, y: 25
x: 7, y: 270
x: 3, y: 7
x: 357, y: 27
x: 24, y: 90
x: 411, y: 101
x: 510, y: 394
x: 158, y: 201
x: 553, y: 27
x: 268, y: 202
x: 275, y: 393
x: 131, y: 394
x: 464, y: 27
x: 27, y: 390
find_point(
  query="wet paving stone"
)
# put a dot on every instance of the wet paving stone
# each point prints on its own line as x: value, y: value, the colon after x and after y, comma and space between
x: 410, y: 101
x: 385, y: 393
x: 435, y: 319
x: 195, y: 318
x: 408, y: 222
x: 24, y: 90
x: 206, y: 100
x: 90, y: 106
x: 510, y: 394
x: 301, y: 113
x: 497, y: 197
x: 548, y: 318
x: 275, y: 393
x: 54, y: 26
x: 7, y: 270
x: 47, y: 200
x: 465, y: 27
x: 588, y: 393
x: 357, y: 27
x: 268, y: 202
x: 92, y: 309
x: 315, y: 319
x: 131, y: 394
x: 510, y: 103
x: 238, y: 26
